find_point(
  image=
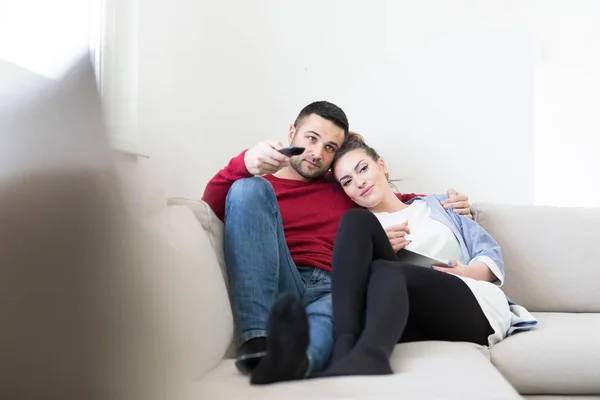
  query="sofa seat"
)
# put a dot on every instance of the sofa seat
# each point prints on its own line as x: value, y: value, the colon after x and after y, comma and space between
x: 424, y: 370
x: 560, y: 356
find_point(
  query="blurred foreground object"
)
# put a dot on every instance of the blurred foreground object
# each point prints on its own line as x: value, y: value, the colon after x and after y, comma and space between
x: 79, y: 313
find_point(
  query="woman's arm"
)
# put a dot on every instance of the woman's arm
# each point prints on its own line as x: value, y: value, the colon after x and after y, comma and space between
x: 484, y: 251
x: 458, y: 203
x: 479, y: 270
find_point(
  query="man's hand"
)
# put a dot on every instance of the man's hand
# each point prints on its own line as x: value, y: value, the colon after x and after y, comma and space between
x: 397, y: 236
x: 458, y: 202
x: 265, y: 159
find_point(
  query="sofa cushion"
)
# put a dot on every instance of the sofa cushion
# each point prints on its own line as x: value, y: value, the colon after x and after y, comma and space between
x: 213, y: 226
x: 424, y: 370
x: 197, y: 298
x: 551, y: 397
x: 548, y: 254
x: 215, y: 229
x: 560, y: 356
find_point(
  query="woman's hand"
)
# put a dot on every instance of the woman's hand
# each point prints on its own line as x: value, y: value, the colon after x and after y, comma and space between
x: 476, y: 270
x: 453, y: 267
x: 397, y: 236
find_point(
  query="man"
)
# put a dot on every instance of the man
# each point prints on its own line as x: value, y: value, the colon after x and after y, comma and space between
x: 279, y: 234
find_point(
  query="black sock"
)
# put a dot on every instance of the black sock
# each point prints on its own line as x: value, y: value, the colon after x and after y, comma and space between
x: 254, y: 345
x: 250, y: 353
x: 287, y: 342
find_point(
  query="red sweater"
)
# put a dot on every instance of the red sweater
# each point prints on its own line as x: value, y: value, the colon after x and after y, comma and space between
x: 310, y: 211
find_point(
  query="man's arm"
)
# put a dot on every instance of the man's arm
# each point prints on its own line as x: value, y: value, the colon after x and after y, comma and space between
x: 459, y: 203
x: 258, y: 160
x: 217, y: 188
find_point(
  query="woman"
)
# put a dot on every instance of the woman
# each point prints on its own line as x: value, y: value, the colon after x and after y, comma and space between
x: 379, y: 300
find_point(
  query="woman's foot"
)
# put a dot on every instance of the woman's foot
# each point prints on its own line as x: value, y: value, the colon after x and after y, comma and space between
x: 359, y: 362
x: 342, y: 347
x: 287, y: 342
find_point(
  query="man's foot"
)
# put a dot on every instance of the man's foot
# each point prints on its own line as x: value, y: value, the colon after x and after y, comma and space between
x: 359, y: 363
x: 287, y: 341
x: 250, y: 354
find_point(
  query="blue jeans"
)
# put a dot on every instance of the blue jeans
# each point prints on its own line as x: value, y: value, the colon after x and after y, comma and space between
x: 260, y: 268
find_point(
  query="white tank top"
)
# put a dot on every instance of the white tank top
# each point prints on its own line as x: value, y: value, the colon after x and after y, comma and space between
x: 429, y: 237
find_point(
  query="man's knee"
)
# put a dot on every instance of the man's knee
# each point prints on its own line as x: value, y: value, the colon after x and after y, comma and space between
x: 249, y: 191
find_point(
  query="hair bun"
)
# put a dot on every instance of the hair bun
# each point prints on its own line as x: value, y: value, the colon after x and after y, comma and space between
x: 355, y: 137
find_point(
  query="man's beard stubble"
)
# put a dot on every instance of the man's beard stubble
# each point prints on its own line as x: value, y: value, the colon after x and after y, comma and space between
x: 297, y: 164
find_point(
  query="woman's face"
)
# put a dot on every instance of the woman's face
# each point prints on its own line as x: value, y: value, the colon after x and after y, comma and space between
x: 362, y: 178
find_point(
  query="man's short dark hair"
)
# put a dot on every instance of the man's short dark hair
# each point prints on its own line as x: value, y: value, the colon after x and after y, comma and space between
x: 327, y: 110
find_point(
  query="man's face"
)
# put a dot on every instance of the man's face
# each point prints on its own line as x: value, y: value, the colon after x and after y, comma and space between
x: 321, y: 138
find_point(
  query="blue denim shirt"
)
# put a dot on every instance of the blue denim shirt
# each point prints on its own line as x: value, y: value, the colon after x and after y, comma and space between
x: 478, y: 245
x: 475, y: 242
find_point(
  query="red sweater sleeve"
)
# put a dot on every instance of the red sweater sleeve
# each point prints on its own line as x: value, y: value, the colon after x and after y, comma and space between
x: 404, y: 197
x: 217, y: 188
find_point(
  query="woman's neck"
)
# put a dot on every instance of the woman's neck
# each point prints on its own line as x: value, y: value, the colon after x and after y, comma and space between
x: 390, y: 203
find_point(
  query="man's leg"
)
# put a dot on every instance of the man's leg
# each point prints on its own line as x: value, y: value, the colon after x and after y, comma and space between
x: 320, y: 318
x: 300, y: 332
x: 258, y: 262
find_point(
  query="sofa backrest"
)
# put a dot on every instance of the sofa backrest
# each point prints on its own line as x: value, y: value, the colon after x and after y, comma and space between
x: 196, y: 294
x: 550, y: 255
x: 214, y: 230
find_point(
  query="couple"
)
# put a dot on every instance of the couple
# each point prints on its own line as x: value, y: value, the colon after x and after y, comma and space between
x: 280, y: 231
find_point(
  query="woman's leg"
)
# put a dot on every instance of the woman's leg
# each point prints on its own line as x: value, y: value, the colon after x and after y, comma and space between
x: 442, y: 307
x: 386, y: 316
x: 360, y: 239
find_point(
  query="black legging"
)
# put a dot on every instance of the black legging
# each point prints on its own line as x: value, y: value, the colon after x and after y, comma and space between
x: 378, y: 301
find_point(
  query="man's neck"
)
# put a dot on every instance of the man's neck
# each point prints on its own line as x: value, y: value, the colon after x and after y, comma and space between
x: 290, y: 173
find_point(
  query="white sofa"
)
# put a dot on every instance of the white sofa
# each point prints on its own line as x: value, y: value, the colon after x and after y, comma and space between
x: 550, y: 268
x: 92, y: 307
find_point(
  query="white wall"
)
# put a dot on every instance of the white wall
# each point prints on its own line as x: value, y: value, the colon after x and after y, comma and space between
x: 44, y: 37
x: 567, y: 103
x: 444, y: 89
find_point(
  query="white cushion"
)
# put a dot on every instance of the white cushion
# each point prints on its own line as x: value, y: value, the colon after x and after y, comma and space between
x: 215, y: 229
x: 551, y: 397
x: 213, y: 226
x: 560, y: 356
x: 425, y: 370
x: 549, y: 255
x: 198, y: 300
